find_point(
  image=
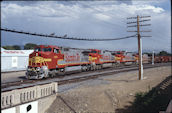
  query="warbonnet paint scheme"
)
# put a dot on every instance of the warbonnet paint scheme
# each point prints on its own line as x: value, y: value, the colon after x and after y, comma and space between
x: 48, y: 61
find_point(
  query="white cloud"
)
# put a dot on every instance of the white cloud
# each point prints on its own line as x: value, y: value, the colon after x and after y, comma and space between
x: 43, y: 10
x: 57, y: 10
x: 102, y: 17
x: 151, y: 8
x: 87, y: 19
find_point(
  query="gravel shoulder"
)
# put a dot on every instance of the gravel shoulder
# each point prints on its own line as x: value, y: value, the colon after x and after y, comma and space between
x: 108, y: 93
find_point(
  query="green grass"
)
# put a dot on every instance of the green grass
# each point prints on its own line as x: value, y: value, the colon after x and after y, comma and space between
x: 151, y: 102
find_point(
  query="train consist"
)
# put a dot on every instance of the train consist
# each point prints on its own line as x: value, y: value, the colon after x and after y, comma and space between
x: 159, y: 59
x: 47, y: 61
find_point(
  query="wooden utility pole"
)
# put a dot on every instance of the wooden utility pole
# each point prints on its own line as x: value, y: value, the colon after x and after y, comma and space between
x: 139, y: 40
x: 139, y: 51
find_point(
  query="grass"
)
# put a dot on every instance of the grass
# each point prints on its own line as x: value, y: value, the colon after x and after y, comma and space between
x: 151, y: 102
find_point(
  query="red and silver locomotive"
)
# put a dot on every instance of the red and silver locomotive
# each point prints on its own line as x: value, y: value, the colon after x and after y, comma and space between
x: 47, y: 61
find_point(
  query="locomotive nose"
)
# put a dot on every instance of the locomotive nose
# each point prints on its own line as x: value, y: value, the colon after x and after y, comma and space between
x: 36, y: 60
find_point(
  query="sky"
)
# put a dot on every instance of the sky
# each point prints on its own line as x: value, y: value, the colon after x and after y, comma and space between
x: 88, y: 19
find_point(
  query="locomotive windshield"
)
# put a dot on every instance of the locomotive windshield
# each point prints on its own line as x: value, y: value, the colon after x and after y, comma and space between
x: 43, y: 49
x: 93, y: 51
x: 37, y: 49
x: 46, y: 49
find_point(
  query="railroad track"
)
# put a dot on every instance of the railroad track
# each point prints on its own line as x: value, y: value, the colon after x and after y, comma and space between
x: 102, y: 74
x: 60, y: 76
x: 25, y: 81
x: 73, y: 77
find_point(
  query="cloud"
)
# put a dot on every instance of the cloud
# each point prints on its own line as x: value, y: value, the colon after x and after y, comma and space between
x: 102, y: 17
x: 42, y: 10
x: 98, y: 19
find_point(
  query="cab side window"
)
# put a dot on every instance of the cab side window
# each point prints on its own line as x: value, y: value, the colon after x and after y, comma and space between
x: 56, y: 51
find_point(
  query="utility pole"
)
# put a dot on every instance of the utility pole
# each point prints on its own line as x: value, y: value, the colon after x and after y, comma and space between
x: 139, y: 51
x: 139, y: 40
x: 153, y: 58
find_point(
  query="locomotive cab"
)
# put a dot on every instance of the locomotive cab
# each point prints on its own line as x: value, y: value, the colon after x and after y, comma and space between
x: 42, y: 61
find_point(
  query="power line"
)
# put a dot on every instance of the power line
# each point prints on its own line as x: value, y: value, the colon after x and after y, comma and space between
x: 65, y: 37
x: 139, y: 21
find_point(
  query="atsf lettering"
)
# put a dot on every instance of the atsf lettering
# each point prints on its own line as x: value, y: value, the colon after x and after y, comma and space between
x: 106, y: 57
x: 69, y: 58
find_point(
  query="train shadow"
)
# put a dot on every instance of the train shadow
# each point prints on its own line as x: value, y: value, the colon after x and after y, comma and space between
x: 157, y: 99
x: 22, y: 77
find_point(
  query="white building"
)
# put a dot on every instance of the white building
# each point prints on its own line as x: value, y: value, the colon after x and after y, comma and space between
x: 14, y: 60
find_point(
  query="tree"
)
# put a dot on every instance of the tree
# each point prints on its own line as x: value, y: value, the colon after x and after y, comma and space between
x: 8, y: 47
x: 16, y: 47
x: 163, y: 53
x: 29, y: 46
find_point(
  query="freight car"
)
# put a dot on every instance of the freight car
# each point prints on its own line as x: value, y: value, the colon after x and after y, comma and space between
x: 162, y: 59
x: 47, y: 61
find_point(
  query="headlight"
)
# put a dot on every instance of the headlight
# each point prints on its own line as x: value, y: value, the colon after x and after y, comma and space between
x: 38, y: 68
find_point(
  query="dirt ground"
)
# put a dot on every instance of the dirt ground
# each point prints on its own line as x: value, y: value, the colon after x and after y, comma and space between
x: 110, y: 93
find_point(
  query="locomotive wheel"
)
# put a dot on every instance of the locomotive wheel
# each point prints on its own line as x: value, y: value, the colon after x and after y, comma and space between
x: 117, y: 64
x: 100, y: 67
x: 62, y: 71
x: 97, y: 67
x: 113, y: 65
x: 52, y: 74
x: 93, y: 68
x: 88, y: 68
x: 84, y: 68
x: 28, y: 77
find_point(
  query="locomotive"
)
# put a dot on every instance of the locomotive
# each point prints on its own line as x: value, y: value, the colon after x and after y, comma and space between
x: 47, y: 61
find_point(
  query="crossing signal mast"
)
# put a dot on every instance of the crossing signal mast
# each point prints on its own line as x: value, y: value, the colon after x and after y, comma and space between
x: 138, y: 25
